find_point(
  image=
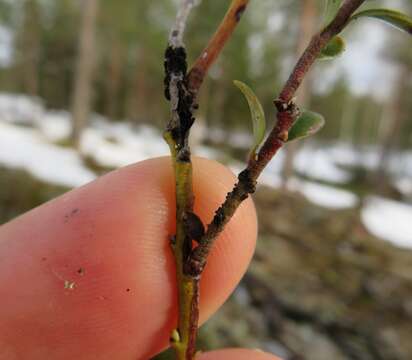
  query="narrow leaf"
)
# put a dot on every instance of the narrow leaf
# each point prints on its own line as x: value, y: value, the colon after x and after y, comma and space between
x: 307, y: 124
x: 334, y: 48
x: 392, y: 17
x: 258, y: 116
x: 332, y: 7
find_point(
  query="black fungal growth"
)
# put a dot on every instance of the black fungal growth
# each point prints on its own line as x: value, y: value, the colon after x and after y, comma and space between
x: 176, y: 64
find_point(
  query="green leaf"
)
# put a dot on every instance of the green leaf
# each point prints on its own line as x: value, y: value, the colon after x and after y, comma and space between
x: 392, y: 17
x: 307, y: 124
x: 335, y: 47
x: 258, y: 115
x: 332, y: 7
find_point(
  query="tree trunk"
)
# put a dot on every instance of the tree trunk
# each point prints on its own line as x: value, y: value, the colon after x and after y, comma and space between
x: 307, y: 28
x: 137, y: 99
x: 30, y: 47
x: 347, y: 120
x: 114, y: 79
x: 394, y: 122
x: 81, y: 100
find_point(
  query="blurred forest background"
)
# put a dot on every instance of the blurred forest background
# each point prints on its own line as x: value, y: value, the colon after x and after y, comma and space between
x: 81, y: 93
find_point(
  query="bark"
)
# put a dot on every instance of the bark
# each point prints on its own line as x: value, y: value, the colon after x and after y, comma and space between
x: 82, y: 96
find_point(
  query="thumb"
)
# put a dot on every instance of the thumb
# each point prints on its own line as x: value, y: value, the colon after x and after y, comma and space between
x: 237, y: 354
x: 90, y: 275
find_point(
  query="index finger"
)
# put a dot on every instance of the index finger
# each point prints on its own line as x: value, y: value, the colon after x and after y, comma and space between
x: 90, y: 275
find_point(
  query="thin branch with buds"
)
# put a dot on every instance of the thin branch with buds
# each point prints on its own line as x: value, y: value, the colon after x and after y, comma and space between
x: 287, y: 113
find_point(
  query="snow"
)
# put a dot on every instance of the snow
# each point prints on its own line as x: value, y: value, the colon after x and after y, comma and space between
x: 389, y: 220
x: 404, y: 185
x: 116, y: 145
x: 20, y: 109
x: 320, y: 164
x: 323, y: 195
x: 29, y: 137
x: 25, y: 149
x: 54, y: 125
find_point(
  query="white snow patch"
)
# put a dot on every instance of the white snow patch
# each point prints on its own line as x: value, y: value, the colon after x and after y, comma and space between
x: 55, y: 125
x: 116, y: 145
x: 389, y: 220
x: 20, y: 109
x: 404, y: 185
x: 323, y: 195
x: 24, y: 148
x: 320, y: 164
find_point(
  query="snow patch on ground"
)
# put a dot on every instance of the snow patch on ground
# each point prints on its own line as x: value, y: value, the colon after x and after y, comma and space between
x: 26, y: 149
x: 323, y: 195
x: 389, y: 220
x: 117, y: 145
x: 54, y: 125
x: 20, y: 109
x: 319, y: 164
x: 29, y: 135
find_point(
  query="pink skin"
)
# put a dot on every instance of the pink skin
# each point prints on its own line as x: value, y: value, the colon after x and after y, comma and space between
x: 237, y: 354
x: 90, y: 275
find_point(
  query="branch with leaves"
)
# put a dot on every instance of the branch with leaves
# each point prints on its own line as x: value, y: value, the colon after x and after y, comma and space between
x: 181, y: 88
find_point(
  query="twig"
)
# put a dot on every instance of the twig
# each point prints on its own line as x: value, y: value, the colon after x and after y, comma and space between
x: 287, y: 112
x: 317, y: 43
x: 188, y: 225
x: 177, y: 32
x: 177, y: 132
x: 216, y: 44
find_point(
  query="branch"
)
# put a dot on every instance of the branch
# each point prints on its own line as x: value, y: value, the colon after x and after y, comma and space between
x: 317, y: 43
x: 177, y: 31
x: 176, y: 135
x: 287, y: 112
x: 216, y: 44
x: 182, y: 103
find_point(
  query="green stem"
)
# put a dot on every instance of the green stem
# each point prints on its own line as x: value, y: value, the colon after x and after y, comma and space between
x: 183, y: 339
x: 182, y: 98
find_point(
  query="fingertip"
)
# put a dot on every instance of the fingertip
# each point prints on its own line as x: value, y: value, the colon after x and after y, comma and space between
x: 237, y: 354
x: 92, y: 272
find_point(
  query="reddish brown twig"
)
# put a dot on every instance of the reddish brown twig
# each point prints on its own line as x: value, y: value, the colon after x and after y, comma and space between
x: 286, y: 115
x: 317, y: 43
x: 216, y: 44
